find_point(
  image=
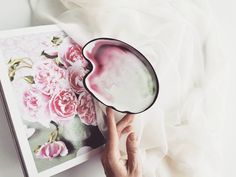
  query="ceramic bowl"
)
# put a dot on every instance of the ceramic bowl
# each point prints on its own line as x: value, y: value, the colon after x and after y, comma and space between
x: 120, y: 77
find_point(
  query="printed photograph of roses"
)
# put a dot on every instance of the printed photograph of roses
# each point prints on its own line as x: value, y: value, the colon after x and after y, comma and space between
x: 57, y: 111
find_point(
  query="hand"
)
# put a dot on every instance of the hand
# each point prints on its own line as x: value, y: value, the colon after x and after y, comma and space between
x: 113, y: 165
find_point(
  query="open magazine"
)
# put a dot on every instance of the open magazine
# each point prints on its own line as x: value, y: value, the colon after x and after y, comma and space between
x: 52, y: 116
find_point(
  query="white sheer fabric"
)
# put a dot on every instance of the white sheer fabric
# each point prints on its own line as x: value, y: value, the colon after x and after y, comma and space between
x: 179, y: 134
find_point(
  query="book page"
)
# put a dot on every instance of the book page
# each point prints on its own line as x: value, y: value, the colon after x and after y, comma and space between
x: 45, y: 71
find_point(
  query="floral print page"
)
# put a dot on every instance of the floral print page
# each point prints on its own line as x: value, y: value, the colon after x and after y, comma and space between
x: 46, y: 71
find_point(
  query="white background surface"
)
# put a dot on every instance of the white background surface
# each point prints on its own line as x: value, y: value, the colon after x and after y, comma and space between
x: 16, y: 13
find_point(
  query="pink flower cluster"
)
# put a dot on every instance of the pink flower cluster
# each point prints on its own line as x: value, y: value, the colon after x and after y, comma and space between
x: 51, y: 150
x: 49, y: 78
x: 85, y: 109
x: 33, y: 101
x: 71, y: 52
x: 58, y: 89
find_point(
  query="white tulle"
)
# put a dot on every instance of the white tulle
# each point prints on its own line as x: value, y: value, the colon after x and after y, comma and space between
x: 179, y: 135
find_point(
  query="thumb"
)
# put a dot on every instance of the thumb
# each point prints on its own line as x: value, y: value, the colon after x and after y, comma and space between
x: 131, y: 146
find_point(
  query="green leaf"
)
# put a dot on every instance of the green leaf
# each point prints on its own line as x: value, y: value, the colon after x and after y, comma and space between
x: 58, y: 62
x: 19, y: 63
x: 37, y: 148
x: 11, y: 73
x: 16, y: 64
x: 11, y: 78
x: 48, y: 56
x: 56, y: 40
x: 29, y: 79
x: 9, y: 61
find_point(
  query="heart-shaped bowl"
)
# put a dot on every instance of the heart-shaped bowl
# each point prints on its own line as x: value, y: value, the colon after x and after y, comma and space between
x: 120, y: 77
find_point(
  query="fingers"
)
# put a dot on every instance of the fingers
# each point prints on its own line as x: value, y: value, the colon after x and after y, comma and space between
x: 127, y: 129
x: 111, y: 159
x: 115, y: 131
x: 131, y: 145
x: 124, y: 123
x: 113, y: 139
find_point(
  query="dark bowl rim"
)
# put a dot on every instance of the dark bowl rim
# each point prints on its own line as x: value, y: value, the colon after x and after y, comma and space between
x: 86, y: 75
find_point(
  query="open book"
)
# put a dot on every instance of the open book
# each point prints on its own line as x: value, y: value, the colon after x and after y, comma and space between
x: 52, y: 117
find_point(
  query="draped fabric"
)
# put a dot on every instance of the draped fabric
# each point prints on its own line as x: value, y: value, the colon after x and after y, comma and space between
x: 179, y: 135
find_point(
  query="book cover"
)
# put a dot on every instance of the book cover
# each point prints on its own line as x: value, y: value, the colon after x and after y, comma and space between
x: 52, y: 116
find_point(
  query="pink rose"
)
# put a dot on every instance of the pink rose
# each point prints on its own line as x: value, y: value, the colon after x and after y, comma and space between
x: 63, y: 105
x: 70, y: 52
x: 33, y: 101
x: 49, y: 78
x: 86, y: 109
x: 35, y: 106
x: 52, y: 150
x: 76, y: 73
